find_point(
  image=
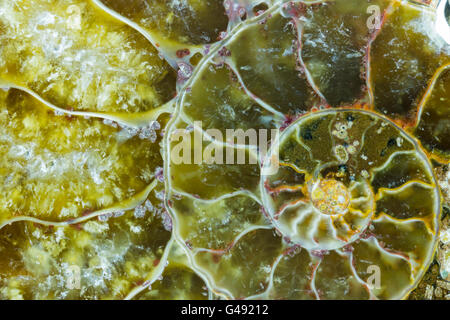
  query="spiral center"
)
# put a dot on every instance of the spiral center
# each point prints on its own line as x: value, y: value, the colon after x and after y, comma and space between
x: 330, y: 197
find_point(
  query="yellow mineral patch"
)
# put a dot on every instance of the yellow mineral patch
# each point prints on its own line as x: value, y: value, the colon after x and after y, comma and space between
x: 186, y: 22
x: 330, y: 197
x: 433, y: 123
x: 94, y: 260
x: 78, y: 58
x: 60, y: 167
x: 95, y: 205
x: 403, y: 58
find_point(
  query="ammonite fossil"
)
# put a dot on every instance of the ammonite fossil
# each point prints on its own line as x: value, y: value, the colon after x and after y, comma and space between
x: 237, y: 149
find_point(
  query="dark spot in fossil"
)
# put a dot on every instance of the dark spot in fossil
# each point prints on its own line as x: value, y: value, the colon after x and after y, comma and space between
x: 307, y: 135
x: 392, y: 142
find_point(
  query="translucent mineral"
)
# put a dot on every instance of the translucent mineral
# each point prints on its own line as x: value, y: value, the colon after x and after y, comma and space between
x: 224, y: 149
